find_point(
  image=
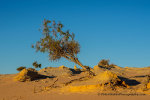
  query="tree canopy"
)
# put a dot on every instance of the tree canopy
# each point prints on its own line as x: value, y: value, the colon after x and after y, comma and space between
x: 58, y: 42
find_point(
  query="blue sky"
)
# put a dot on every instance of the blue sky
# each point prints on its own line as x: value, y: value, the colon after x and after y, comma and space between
x: 118, y: 30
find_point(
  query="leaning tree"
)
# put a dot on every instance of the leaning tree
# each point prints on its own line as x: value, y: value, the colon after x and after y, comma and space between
x: 58, y: 43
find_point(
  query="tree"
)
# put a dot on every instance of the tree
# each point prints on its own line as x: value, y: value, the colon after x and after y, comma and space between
x: 58, y: 43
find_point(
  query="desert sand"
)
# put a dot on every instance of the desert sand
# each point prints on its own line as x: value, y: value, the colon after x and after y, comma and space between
x: 62, y: 83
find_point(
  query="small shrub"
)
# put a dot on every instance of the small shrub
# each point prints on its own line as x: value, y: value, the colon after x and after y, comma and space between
x: 20, y: 68
x: 36, y: 65
x: 105, y: 64
x: 40, y: 65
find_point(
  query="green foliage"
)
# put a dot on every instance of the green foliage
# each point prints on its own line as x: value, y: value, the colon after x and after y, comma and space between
x: 105, y: 63
x: 40, y: 65
x: 36, y: 65
x: 58, y: 43
x: 20, y: 68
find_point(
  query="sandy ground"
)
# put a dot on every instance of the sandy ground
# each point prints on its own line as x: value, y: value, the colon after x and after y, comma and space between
x: 13, y: 90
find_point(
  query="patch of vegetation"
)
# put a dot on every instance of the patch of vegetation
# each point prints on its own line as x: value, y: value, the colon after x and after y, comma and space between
x: 20, y: 68
x: 36, y: 65
x: 105, y: 64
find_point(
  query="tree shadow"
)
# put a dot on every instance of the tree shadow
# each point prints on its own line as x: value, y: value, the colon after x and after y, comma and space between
x: 39, y: 77
x: 75, y: 71
x: 140, y: 76
x: 129, y: 82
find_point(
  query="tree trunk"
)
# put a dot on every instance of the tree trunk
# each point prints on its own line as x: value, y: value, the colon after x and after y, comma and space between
x: 84, y: 67
x: 79, y: 63
x: 75, y: 60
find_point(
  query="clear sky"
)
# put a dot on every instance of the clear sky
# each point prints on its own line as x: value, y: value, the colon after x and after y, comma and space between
x: 118, y: 30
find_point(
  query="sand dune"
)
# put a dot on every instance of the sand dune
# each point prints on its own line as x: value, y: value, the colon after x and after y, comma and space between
x: 63, y: 83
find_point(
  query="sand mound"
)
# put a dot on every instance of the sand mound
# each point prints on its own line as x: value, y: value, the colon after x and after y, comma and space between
x: 109, y: 78
x: 56, y: 71
x: 97, y: 69
x: 103, y: 81
x: 26, y: 75
x: 106, y: 76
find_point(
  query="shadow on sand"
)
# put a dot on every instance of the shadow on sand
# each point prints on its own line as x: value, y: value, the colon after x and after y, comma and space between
x: 39, y: 77
x: 75, y: 72
x: 129, y: 82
